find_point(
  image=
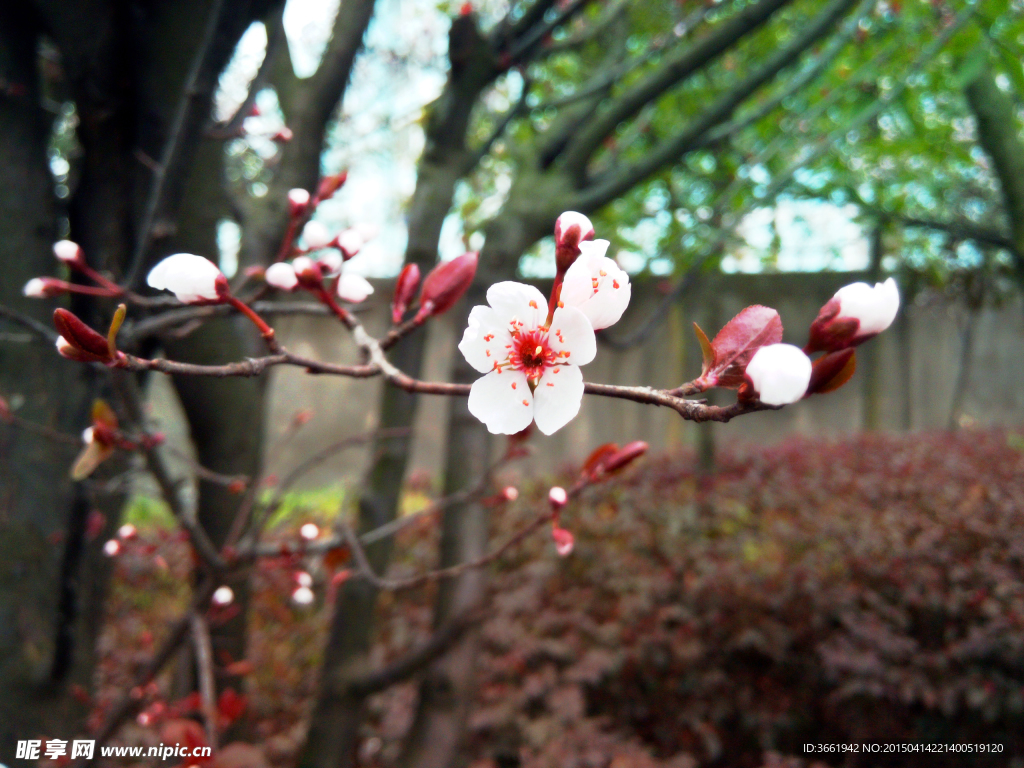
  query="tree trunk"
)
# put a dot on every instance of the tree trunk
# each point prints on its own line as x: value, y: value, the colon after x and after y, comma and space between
x: 447, y: 688
x: 334, y: 728
x: 51, y: 578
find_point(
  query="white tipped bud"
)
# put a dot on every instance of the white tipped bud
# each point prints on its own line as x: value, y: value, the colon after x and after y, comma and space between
x: 875, y: 307
x: 557, y: 497
x: 223, y: 595
x: 303, y: 596
x: 780, y: 373
x: 67, y: 251
x: 35, y: 288
x: 309, y: 531
x: 112, y: 548
x: 192, y: 279
x: 281, y: 275
x: 298, y: 197
x: 316, y: 235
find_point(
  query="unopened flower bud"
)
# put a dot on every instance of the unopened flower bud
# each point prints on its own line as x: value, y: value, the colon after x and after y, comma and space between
x: 283, y: 136
x: 298, y: 199
x: 44, y: 288
x: 127, y: 532
x: 316, y: 235
x: 303, y: 596
x: 855, y: 314
x: 281, y: 275
x: 779, y: 373
x: 446, y: 284
x: 405, y: 288
x: 353, y: 288
x: 112, y: 548
x: 68, y: 251
x: 350, y: 241
x: 510, y: 493
x: 223, y: 595
x: 571, y: 228
x: 307, y: 272
x: 331, y: 262
x: 557, y: 497
x: 192, y: 279
x: 564, y: 541
x: 309, y: 531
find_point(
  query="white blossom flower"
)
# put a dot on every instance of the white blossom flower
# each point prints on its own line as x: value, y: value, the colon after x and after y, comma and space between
x: 780, y: 373
x: 532, y: 370
x: 189, y: 277
x: 223, y: 595
x: 67, y: 250
x: 875, y: 307
x: 596, y: 285
x: 281, y: 275
x: 316, y: 235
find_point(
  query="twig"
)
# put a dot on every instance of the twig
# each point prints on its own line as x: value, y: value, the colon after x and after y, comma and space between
x: 204, y: 671
x: 38, y: 328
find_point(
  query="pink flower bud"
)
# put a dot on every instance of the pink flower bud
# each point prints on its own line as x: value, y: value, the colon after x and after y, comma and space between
x: 307, y: 272
x: 192, y: 279
x: 350, y: 241
x: 303, y: 596
x: 282, y: 276
x: 855, y: 314
x: 298, y: 199
x: 510, y: 493
x: 564, y: 541
x: 283, y: 136
x: 68, y: 251
x: 408, y: 281
x: 446, y: 284
x: 331, y: 262
x: 557, y: 497
x: 571, y: 229
x: 112, y: 548
x: 127, y: 532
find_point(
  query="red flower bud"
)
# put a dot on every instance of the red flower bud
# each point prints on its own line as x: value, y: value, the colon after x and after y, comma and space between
x: 408, y: 282
x: 330, y: 184
x: 445, y: 285
x: 557, y: 498
x: 79, y: 336
x: 564, y: 541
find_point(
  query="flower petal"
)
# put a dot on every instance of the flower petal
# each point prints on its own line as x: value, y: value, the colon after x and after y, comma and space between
x: 484, y: 340
x: 558, y: 397
x: 353, y: 288
x: 518, y: 301
x: 780, y: 373
x: 502, y: 401
x: 571, y: 332
x: 191, y: 278
x: 316, y: 235
x: 596, y: 285
x: 875, y: 307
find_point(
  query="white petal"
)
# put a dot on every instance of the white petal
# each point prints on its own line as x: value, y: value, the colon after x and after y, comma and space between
x: 281, y: 275
x: 518, y: 301
x: 604, y: 304
x: 875, y: 307
x: 571, y: 332
x: 298, y: 196
x: 569, y: 219
x: 780, y: 373
x: 558, y: 397
x: 316, y: 235
x: 189, y: 277
x: 502, y: 401
x: 484, y: 334
x: 34, y: 288
x: 353, y: 288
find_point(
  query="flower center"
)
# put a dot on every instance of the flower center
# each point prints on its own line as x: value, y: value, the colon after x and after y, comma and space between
x: 530, y: 352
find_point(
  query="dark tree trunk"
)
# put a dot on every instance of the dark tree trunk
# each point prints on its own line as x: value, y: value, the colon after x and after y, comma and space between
x: 51, y: 578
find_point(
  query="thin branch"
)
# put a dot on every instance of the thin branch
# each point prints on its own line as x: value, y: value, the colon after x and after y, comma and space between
x: 204, y: 668
x: 43, y: 331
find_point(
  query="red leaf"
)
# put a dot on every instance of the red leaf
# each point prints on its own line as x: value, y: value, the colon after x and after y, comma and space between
x: 79, y: 334
x: 230, y: 705
x: 737, y: 342
x: 829, y: 372
x: 625, y: 456
x: 597, y: 458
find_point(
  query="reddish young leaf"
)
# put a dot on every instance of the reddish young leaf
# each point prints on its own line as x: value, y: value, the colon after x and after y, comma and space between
x: 230, y: 706
x: 330, y: 184
x: 596, y: 460
x: 625, y: 456
x: 706, y: 350
x: 445, y: 285
x: 408, y: 281
x: 79, y: 334
x: 737, y: 342
x: 829, y: 372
